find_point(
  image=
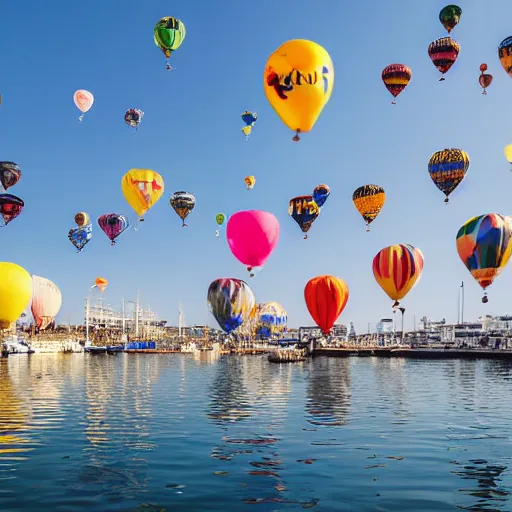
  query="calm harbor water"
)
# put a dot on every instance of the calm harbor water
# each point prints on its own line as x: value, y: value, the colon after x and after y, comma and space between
x: 205, y: 433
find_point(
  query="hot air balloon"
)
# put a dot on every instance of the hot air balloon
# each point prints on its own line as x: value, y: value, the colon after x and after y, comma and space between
x: 231, y: 302
x: 397, y: 269
x: 484, y: 79
x: 10, y: 174
x: 320, y: 194
x: 80, y: 236
x: 168, y: 34
x: 250, y: 181
x: 46, y: 301
x: 447, y: 169
x: 220, y: 218
x: 298, y: 82
x: 443, y: 53
x: 183, y: 203
x: 101, y: 283
x: 484, y: 244
x: 450, y: 16
x: 83, y: 100
x: 270, y: 320
x: 142, y: 188
x: 369, y: 200
x: 304, y: 212
x: 505, y: 55
x: 82, y: 219
x: 10, y: 207
x: 15, y: 292
x: 252, y: 236
x: 326, y: 298
x: 133, y: 117
x: 508, y: 154
x: 113, y: 224
x: 249, y: 118
x: 395, y: 78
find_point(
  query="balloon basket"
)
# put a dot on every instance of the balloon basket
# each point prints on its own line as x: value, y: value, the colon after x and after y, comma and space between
x: 367, y: 229
x: 81, y: 118
x: 113, y: 243
x: 485, y: 299
x: 393, y: 102
x: 305, y: 237
x: 442, y: 79
x: 446, y: 201
x: 484, y: 93
x: 296, y: 137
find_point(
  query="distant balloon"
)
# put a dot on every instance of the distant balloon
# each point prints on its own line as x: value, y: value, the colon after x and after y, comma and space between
x: 80, y: 236
x: 484, y: 79
x: 320, y: 194
x: 447, y: 169
x: 15, y: 292
x: 10, y: 207
x: 249, y: 118
x: 183, y: 203
x: 250, y: 181
x: 46, y: 301
x: 10, y: 174
x: 444, y: 52
x: 298, y: 82
x: 83, y: 100
x: 395, y: 78
x: 326, y: 298
x: 369, y: 200
x: 168, y: 35
x: 484, y: 244
x: 113, y: 224
x: 142, y: 188
x: 508, y: 154
x: 82, y: 219
x: 231, y: 302
x: 304, y: 211
x: 270, y: 320
x: 133, y: 117
x: 397, y: 269
x: 252, y: 236
x: 220, y: 218
x: 450, y: 16
x: 505, y: 55
x: 101, y: 283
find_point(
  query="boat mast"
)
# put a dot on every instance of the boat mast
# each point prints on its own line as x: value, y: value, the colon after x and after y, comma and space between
x: 123, y: 320
x: 87, y: 319
x: 137, y: 314
x: 180, y: 320
x: 462, y: 309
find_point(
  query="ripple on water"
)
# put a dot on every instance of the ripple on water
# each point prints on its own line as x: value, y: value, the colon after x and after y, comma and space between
x: 136, y: 432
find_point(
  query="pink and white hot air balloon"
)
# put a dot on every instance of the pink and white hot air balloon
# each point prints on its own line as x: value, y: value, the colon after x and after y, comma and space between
x: 46, y: 301
x: 83, y: 100
x: 252, y: 236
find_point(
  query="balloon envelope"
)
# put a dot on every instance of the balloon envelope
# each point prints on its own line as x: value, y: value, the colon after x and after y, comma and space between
x: 83, y: 100
x: 326, y: 297
x: 15, y: 292
x: 142, y: 188
x: 113, y: 224
x: 101, y: 283
x: 369, y: 200
x: 46, y: 301
x: 450, y: 16
x: 484, y: 244
x: 447, y: 169
x: 320, y: 194
x: 168, y: 34
x: 396, y: 77
x: 10, y: 207
x: 505, y: 55
x: 231, y: 302
x: 252, y: 236
x: 10, y: 174
x: 298, y: 82
x: 397, y: 269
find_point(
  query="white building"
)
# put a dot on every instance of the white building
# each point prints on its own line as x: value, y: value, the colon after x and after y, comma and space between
x: 385, y: 326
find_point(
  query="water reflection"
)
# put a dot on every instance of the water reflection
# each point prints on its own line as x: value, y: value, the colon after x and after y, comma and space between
x: 133, y: 432
x: 328, y: 391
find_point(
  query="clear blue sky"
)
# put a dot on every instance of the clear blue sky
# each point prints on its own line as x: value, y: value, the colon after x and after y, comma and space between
x: 191, y: 135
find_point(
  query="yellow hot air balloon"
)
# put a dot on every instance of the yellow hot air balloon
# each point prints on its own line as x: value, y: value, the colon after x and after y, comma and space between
x: 15, y: 292
x: 298, y: 82
x: 142, y: 188
x: 250, y: 181
x: 508, y: 154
